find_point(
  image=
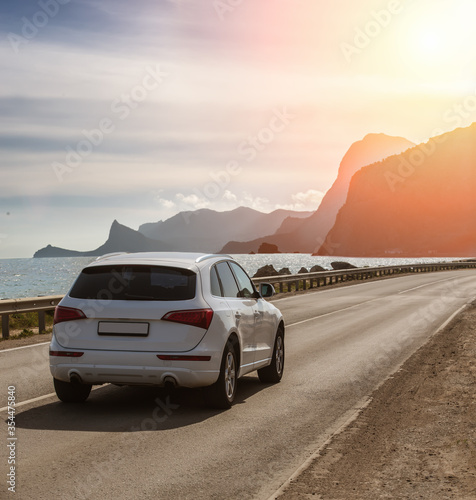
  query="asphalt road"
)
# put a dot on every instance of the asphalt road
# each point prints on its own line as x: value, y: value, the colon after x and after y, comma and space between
x: 126, y: 443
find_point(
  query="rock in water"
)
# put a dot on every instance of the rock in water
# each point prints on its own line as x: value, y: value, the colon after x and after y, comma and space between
x: 268, y: 248
x: 339, y: 266
x: 264, y: 271
x: 317, y: 269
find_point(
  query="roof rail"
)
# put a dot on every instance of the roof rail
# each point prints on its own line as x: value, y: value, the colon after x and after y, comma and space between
x: 112, y: 254
x: 211, y: 256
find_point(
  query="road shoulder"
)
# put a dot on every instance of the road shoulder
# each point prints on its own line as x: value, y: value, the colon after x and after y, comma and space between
x: 417, y: 437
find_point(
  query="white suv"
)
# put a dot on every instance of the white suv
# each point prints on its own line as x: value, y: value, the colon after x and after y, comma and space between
x: 165, y: 319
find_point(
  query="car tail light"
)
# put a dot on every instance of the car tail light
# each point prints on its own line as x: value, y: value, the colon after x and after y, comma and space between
x: 175, y: 357
x: 67, y: 314
x: 68, y: 354
x: 197, y: 317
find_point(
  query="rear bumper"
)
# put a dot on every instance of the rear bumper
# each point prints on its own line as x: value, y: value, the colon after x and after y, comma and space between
x: 133, y: 368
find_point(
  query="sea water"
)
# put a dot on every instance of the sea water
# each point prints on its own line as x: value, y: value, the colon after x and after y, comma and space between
x: 31, y: 277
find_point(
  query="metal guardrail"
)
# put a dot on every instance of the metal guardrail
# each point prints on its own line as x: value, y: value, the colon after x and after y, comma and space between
x: 305, y: 281
x: 282, y: 284
x: 34, y: 304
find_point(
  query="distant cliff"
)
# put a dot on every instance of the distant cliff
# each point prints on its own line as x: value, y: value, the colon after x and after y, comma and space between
x: 195, y: 231
x: 207, y: 230
x: 307, y: 235
x: 51, y: 251
x: 419, y: 203
x: 121, y: 239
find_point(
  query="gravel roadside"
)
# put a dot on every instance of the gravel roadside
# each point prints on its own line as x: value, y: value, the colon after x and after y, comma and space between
x: 416, y: 439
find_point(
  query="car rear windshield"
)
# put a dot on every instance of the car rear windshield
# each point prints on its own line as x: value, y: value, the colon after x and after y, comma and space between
x: 134, y: 283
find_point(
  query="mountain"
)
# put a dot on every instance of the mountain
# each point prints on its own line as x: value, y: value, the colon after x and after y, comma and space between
x: 198, y: 231
x: 121, y: 239
x: 208, y: 230
x: 419, y: 203
x: 307, y: 235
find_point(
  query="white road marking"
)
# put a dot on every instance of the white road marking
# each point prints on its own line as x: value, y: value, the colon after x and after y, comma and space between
x: 322, y: 290
x: 46, y: 396
x: 23, y: 347
x: 29, y: 401
x: 428, y: 284
x: 333, y: 312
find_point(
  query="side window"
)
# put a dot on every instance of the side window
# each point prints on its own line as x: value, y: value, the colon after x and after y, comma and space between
x: 215, y: 284
x: 246, y: 285
x: 230, y: 288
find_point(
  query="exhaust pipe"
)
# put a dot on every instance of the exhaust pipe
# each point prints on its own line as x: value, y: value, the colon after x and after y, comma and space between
x: 75, y: 378
x: 170, y: 383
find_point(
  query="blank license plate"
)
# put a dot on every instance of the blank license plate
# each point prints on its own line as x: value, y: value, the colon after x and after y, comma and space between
x: 121, y: 328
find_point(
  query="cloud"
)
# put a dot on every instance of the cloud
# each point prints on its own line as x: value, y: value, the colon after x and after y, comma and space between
x: 180, y: 203
x: 229, y: 196
x: 228, y: 201
x: 192, y: 201
x: 307, y: 201
x: 301, y: 201
x: 310, y: 199
x: 167, y: 204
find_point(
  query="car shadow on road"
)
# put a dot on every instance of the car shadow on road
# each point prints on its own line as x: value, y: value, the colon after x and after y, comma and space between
x: 131, y: 409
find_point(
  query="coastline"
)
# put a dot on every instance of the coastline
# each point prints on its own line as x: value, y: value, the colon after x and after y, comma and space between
x: 31, y: 277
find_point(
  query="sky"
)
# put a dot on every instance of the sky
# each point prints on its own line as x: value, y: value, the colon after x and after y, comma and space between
x: 135, y: 111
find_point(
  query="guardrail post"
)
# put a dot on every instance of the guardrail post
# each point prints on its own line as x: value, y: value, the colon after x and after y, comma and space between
x: 5, y: 326
x: 41, y: 321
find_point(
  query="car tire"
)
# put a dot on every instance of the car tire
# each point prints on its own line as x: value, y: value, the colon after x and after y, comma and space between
x: 222, y: 393
x: 273, y: 373
x: 71, y: 393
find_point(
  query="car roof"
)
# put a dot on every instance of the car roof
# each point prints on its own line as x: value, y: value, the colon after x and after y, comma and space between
x: 185, y: 259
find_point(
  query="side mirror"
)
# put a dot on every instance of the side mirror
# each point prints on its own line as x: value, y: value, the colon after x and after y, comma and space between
x: 266, y: 290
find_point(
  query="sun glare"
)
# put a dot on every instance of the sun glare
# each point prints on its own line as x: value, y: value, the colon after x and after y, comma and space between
x: 439, y: 37
x: 430, y: 44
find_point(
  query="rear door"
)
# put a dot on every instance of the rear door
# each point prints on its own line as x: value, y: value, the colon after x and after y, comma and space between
x: 242, y: 312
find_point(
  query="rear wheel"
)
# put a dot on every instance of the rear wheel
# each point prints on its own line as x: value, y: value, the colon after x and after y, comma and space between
x: 71, y: 392
x: 222, y: 393
x: 273, y: 373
